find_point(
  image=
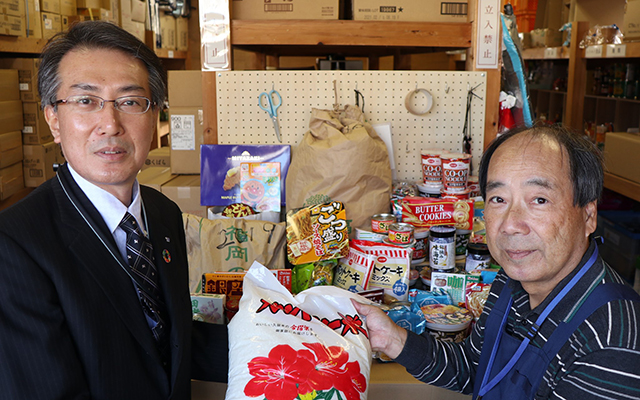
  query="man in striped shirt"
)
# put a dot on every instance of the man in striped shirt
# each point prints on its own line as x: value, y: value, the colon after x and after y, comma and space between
x: 541, y: 187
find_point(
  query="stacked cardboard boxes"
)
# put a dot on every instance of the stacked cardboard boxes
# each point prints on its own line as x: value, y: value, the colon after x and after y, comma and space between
x: 12, y: 18
x: 11, y: 179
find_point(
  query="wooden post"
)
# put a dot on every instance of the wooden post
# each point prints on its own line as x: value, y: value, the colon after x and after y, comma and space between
x: 210, y: 109
x: 577, y: 80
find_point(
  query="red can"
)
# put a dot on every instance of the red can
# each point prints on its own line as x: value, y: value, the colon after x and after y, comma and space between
x: 380, y: 222
x: 401, y: 233
x: 432, y: 166
x: 455, y: 172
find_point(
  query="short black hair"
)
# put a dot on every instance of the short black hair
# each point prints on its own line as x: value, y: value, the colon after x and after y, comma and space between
x: 97, y: 35
x: 586, y: 163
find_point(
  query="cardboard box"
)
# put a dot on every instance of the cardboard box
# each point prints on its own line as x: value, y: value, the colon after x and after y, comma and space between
x: 185, y: 88
x: 411, y: 10
x: 187, y: 135
x: 9, y: 85
x: 50, y: 6
x: 11, y: 181
x: 11, y: 116
x: 51, y: 24
x: 101, y: 14
x: 138, y: 30
x: 35, y: 130
x: 155, y: 177
x: 33, y: 25
x: 620, y: 149
x: 182, y: 34
x: 160, y: 157
x: 38, y: 163
x: 12, y: 7
x: 285, y: 9
x: 138, y: 10
x: 68, y: 7
x: 89, y: 3
x: 168, y: 32
x: 631, y: 23
x: 12, y: 26
x: 10, y: 148
x: 185, y: 191
x: 27, y: 75
x: 124, y: 13
x: 114, y: 7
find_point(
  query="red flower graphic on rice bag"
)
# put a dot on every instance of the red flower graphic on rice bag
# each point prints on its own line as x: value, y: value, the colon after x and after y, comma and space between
x: 287, y: 374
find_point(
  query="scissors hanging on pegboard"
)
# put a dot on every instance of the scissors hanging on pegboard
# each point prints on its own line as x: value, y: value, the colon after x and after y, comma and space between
x: 466, y: 130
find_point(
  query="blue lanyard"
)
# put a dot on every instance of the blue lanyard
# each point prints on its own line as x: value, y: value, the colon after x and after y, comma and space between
x: 485, y: 387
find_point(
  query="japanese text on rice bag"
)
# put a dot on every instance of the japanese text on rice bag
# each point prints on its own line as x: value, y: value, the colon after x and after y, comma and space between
x: 286, y: 347
x: 317, y: 233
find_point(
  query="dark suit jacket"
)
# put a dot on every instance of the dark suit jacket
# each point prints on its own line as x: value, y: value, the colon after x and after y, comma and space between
x: 71, y: 325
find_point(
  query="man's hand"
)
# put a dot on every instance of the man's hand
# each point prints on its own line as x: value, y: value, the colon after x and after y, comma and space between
x: 384, y: 334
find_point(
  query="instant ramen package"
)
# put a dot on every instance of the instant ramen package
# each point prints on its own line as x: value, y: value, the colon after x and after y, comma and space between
x: 286, y: 347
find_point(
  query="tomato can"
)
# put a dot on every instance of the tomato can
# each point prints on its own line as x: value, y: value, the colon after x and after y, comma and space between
x: 401, y: 233
x: 455, y: 171
x: 380, y: 222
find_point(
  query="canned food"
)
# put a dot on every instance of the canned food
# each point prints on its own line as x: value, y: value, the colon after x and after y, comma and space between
x: 462, y: 195
x: 478, y: 257
x: 455, y: 171
x: 380, y: 222
x: 432, y: 166
x: 474, y: 186
x: 430, y: 191
x: 462, y: 241
x: 442, y: 247
x: 401, y: 233
x: 421, y: 248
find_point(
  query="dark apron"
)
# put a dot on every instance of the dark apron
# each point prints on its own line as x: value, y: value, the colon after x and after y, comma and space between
x: 516, y: 368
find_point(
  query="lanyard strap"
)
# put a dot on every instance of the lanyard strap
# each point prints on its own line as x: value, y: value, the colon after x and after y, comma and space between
x: 485, y: 387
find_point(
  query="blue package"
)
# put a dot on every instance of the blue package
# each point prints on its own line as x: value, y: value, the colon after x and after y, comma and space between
x: 405, y: 318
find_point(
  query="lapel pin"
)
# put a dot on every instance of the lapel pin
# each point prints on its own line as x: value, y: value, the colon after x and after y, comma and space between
x: 167, y: 239
x: 166, y: 256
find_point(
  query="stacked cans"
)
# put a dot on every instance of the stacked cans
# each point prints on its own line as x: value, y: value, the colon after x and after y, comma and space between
x: 445, y: 174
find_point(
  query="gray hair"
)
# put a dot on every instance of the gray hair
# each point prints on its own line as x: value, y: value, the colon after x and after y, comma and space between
x: 97, y: 35
x: 586, y: 164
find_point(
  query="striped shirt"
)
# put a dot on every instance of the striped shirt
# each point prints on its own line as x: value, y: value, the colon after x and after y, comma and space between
x: 601, y: 360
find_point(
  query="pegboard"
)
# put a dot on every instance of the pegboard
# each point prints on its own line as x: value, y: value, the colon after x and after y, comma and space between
x: 242, y: 121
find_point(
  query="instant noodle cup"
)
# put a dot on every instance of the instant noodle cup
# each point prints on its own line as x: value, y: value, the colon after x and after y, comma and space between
x: 448, y: 323
x: 429, y: 190
x: 455, y: 171
x: 432, y: 166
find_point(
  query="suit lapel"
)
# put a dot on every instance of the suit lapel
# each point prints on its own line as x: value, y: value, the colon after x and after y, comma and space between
x: 101, y: 257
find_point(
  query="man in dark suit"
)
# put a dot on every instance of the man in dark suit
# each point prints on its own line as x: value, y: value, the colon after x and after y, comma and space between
x: 75, y: 321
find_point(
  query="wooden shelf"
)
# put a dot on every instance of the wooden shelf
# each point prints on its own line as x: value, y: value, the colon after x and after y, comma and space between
x: 623, y: 186
x: 632, y: 50
x: 546, y: 53
x: 285, y: 37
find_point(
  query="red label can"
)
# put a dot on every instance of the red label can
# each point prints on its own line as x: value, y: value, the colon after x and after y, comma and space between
x: 380, y: 222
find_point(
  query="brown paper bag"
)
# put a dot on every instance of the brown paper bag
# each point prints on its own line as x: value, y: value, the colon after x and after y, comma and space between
x: 230, y: 244
x: 341, y: 158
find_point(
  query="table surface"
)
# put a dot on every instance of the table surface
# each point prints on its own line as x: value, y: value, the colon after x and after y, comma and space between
x: 388, y: 381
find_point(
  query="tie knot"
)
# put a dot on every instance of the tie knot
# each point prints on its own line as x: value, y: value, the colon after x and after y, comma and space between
x: 129, y: 224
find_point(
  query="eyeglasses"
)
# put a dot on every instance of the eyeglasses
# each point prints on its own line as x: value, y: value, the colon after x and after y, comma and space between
x: 86, y: 103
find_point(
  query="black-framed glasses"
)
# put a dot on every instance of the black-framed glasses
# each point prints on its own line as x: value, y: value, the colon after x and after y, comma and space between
x: 87, y: 103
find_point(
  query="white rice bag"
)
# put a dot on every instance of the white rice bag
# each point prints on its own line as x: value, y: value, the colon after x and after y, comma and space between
x: 285, y: 347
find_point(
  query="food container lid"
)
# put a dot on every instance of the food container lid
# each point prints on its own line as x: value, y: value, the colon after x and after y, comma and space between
x: 410, y: 244
x: 478, y: 248
x: 420, y: 233
x: 442, y: 231
x: 433, y: 189
x: 446, y: 317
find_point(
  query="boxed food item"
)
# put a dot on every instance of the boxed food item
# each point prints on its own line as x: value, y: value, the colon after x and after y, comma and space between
x: 620, y: 149
x: 220, y: 169
x: 410, y: 10
x: 424, y: 212
x: 285, y: 9
x: 454, y: 284
x: 317, y: 233
x: 208, y: 307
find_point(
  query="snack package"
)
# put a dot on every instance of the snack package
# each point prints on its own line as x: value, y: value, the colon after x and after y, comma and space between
x: 475, y: 297
x: 317, y: 233
x: 391, y: 269
x: 354, y: 272
x: 260, y: 185
x: 425, y: 212
x: 454, y: 284
x: 419, y: 298
x: 318, y: 273
x: 281, y: 346
x: 208, y: 307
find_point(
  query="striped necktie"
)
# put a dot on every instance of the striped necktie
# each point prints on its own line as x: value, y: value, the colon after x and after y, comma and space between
x: 145, y: 275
